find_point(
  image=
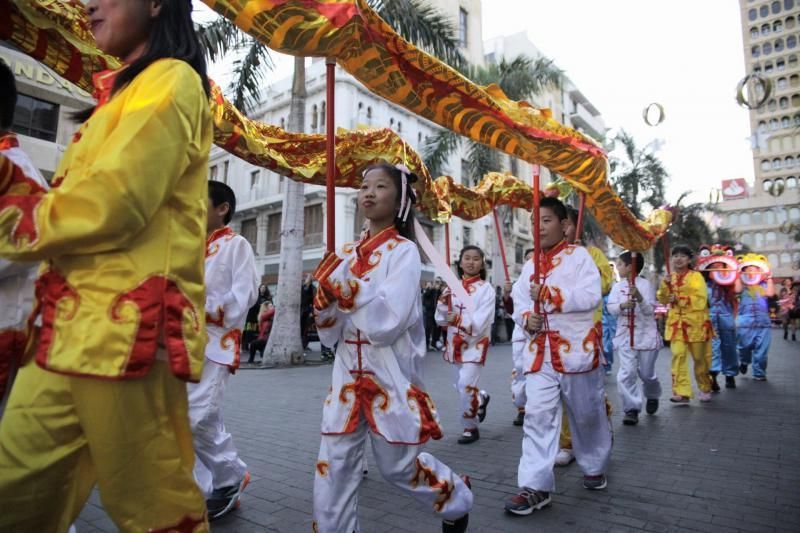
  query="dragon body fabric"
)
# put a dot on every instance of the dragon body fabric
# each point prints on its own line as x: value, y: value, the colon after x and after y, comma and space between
x: 57, y: 34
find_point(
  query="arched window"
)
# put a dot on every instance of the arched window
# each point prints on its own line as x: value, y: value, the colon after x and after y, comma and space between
x: 773, y: 124
x: 747, y: 239
x: 792, y: 61
x: 755, y: 51
x: 283, y: 123
x: 779, y: 45
x: 752, y: 15
x: 768, y: 67
x: 399, y: 127
x: 777, y: 26
x: 765, y: 166
x: 782, y: 83
x: 788, y: 162
x: 776, y: 7
x: 769, y: 217
x: 790, y: 23
x: 791, y: 42
x: 794, y: 80
x: 766, y: 48
x: 783, y: 102
x: 765, y: 30
x: 791, y: 182
x: 773, y: 259
x: 780, y: 65
x: 322, y: 115
x: 314, y: 123
x: 763, y: 11
x: 796, y: 100
x: 754, y: 33
x: 369, y: 116
x: 797, y: 119
x: 777, y: 163
x: 766, y: 185
x: 759, y: 239
x: 772, y: 105
x: 744, y: 218
x: 756, y: 217
x: 794, y: 213
x: 762, y: 127
x: 733, y: 219
x: 780, y: 216
x: 786, y: 259
x: 788, y: 4
x: 786, y: 122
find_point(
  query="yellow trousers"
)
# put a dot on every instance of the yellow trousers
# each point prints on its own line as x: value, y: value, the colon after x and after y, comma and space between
x: 60, y: 435
x: 701, y: 355
x: 565, y: 437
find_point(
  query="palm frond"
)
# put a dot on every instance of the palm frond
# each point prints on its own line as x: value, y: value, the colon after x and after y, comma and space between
x: 437, y: 150
x: 248, y: 75
x: 220, y: 37
x: 423, y: 24
x: 481, y: 159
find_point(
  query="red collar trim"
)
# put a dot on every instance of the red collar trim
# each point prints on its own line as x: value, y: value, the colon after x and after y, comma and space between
x: 370, y: 244
x: 8, y: 140
x: 103, y: 83
x: 471, y: 280
x: 218, y: 234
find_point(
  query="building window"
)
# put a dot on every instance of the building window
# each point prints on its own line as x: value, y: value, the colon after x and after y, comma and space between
x: 772, y: 105
x: 463, y: 18
x: 752, y: 15
x: 35, y: 118
x: 399, y: 127
x: 747, y: 239
x: 369, y: 116
x: 788, y: 4
x: 763, y: 11
x: 773, y: 124
x: 250, y: 231
x: 283, y: 123
x: 772, y: 237
x: 783, y: 102
x: 769, y: 216
x: 254, y: 178
x: 314, y: 118
x: 786, y: 259
x: 785, y: 122
x: 467, y: 236
x: 754, y: 33
x: 274, y: 233
x: 777, y: 26
x: 779, y: 45
x: 766, y: 48
x: 777, y: 163
x: 788, y: 162
x: 790, y: 23
x: 756, y: 217
x: 765, y: 165
x: 212, y: 175
x: 733, y: 219
x: 796, y: 100
x: 792, y: 61
x: 464, y: 172
x: 791, y: 42
x: 794, y: 80
x: 312, y: 225
x: 744, y: 218
x: 759, y: 240
x: 791, y: 182
x: 794, y: 212
x: 322, y: 115
x: 225, y: 166
x: 768, y: 67
x: 782, y: 83
x: 765, y: 30
x: 776, y: 7
x: 780, y: 65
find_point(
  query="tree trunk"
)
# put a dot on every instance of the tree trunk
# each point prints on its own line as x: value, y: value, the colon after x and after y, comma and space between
x: 285, y: 345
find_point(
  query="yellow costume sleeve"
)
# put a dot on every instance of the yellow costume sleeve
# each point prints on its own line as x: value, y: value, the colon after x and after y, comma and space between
x: 662, y: 294
x: 119, y: 191
x: 698, y: 292
x: 606, y: 274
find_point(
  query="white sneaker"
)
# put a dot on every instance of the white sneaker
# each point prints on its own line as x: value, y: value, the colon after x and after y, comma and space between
x: 564, y: 457
x: 704, y: 396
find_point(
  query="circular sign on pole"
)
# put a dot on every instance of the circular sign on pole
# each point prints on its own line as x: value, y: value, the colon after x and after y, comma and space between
x: 653, y: 114
x: 758, y: 88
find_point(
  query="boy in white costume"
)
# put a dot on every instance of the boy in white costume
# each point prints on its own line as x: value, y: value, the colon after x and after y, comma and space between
x: 468, y: 337
x: 231, y: 289
x: 16, y: 279
x: 561, y: 360
x: 365, y: 302
x: 638, y: 360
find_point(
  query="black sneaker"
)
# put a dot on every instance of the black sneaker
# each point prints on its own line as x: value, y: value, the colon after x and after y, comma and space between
x: 520, y: 420
x: 595, y: 482
x: 527, y: 501
x: 714, y: 384
x: 651, y: 406
x: 469, y: 436
x: 730, y: 382
x: 483, y: 405
x: 631, y: 418
x: 226, y: 499
x: 743, y: 369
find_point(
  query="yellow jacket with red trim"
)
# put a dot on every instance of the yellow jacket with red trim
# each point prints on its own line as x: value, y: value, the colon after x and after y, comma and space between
x: 688, y: 318
x: 122, y: 232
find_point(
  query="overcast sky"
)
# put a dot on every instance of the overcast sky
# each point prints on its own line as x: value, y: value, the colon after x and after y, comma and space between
x: 624, y: 54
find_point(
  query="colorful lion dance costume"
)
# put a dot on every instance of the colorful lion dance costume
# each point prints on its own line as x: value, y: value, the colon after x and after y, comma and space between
x: 752, y: 321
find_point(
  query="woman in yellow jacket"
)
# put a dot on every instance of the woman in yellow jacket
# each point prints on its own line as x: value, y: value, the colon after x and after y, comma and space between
x: 120, y: 297
x: 688, y: 328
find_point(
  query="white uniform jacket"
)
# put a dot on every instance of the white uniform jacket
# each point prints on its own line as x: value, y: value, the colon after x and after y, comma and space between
x: 645, y: 331
x: 570, y: 338
x: 368, y: 302
x: 468, y: 338
x: 231, y: 289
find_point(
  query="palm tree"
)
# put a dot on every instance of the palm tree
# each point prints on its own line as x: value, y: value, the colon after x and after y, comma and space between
x: 416, y: 21
x: 639, y: 177
x: 520, y: 79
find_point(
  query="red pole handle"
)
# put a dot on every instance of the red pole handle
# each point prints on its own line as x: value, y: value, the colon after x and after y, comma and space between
x: 447, y: 257
x: 632, y: 281
x: 330, y: 148
x: 500, y: 244
x: 537, y: 241
x: 579, y: 222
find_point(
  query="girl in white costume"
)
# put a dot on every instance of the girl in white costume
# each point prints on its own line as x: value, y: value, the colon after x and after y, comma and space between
x: 367, y: 302
x: 468, y: 338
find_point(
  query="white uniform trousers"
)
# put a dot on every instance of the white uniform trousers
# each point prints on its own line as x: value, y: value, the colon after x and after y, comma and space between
x: 518, y: 375
x: 217, y: 462
x: 584, y: 398
x: 339, y: 473
x: 466, y: 377
x: 632, y: 364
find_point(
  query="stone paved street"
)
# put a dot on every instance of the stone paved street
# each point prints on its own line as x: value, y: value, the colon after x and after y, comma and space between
x: 733, y: 464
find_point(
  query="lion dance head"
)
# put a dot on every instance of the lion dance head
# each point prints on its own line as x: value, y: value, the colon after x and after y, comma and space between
x: 719, y: 262
x: 753, y: 268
